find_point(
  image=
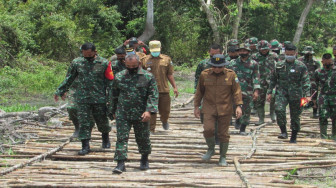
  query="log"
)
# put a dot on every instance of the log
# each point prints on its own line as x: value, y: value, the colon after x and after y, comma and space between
x: 179, y: 105
x: 240, y: 172
x: 39, y: 157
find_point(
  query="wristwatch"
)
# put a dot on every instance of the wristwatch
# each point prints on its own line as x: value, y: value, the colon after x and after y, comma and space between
x: 240, y: 105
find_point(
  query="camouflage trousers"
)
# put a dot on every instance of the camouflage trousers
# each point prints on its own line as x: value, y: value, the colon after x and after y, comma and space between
x: 260, y: 103
x: 141, y: 131
x: 245, y: 119
x: 327, y: 109
x: 294, y: 109
x: 85, y: 113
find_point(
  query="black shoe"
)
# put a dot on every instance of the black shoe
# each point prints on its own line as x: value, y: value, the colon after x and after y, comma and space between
x: 283, y: 134
x: 315, y: 116
x: 293, y: 137
x: 144, y: 165
x: 165, y: 126
x: 106, y: 140
x: 120, y: 167
x: 85, y: 147
x: 242, y: 130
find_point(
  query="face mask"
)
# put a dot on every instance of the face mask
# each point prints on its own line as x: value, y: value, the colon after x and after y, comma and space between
x: 129, y: 53
x: 327, y: 66
x: 132, y: 70
x: 276, y: 51
x: 234, y: 57
x: 89, y: 58
x: 243, y: 55
x: 155, y: 54
x: 264, y: 54
x: 308, y: 56
x: 290, y: 58
x: 121, y: 59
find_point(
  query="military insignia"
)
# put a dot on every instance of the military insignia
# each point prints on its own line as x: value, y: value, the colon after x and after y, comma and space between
x: 217, y: 58
x: 236, y: 79
x: 171, y: 62
x: 226, y: 79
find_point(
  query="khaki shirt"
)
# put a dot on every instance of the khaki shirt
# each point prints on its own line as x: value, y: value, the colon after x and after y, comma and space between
x: 217, y: 91
x: 161, y: 67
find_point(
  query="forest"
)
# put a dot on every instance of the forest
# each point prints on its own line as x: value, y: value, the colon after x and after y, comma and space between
x: 39, y: 38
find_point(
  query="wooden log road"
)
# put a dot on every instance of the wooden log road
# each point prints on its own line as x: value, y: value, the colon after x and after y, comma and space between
x: 257, y: 160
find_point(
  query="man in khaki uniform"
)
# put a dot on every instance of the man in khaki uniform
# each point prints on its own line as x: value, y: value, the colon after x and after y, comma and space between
x: 161, y: 67
x: 217, y: 87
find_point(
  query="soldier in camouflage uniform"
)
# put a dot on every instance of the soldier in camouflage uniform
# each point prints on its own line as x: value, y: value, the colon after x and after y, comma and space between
x: 325, y: 79
x: 253, y: 41
x: 276, y: 48
x: 292, y: 82
x: 94, y: 76
x: 119, y: 64
x: 135, y: 98
x: 312, y: 65
x: 266, y: 60
x: 231, y: 53
x: 247, y: 71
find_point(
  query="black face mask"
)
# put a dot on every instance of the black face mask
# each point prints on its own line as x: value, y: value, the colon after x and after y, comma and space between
x: 327, y: 66
x: 89, y: 58
x: 265, y: 54
x: 132, y: 70
x: 243, y: 55
x: 234, y: 57
x: 121, y: 59
x: 308, y: 56
x: 276, y: 51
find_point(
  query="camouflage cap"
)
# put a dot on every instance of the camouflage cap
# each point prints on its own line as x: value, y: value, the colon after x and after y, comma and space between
x: 275, y: 45
x: 218, y: 60
x: 253, y: 41
x: 245, y: 46
x: 233, y: 48
x: 233, y: 42
x: 133, y: 41
x: 308, y: 50
x: 286, y: 43
x: 264, y: 45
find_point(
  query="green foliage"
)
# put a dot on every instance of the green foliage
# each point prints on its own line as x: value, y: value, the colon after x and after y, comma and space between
x: 290, y: 173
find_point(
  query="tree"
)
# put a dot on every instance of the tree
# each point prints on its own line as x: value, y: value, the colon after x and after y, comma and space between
x: 302, y: 20
x: 149, y: 28
x: 211, y: 19
x: 237, y: 21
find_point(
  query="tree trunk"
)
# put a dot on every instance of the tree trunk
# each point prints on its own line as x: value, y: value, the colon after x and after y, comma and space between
x: 237, y: 21
x: 211, y: 20
x: 300, y: 26
x: 149, y: 28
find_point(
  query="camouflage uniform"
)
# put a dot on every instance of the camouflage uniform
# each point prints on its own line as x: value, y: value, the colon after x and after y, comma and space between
x: 312, y: 65
x: 200, y: 67
x: 253, y: 41
x: 266, y: 66
x: 133, y: 94
x: 117, y: 66
x: 90, y: 95
x: 248, y: 75
x: 292, y: 82
x: 326, y: 81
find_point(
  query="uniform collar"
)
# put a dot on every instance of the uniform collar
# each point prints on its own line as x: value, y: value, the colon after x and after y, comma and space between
x: 160, y: 56
x: 212, y: 72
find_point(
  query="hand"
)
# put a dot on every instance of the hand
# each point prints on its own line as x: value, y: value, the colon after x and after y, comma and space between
x: 114, y: 116
x: 141, y: 43
x: 315, y: 104
x: 197, y: 112
x: 176, y: 93
x: 126, y: 42
x: 308, y: 98
x: 269, y: 97
x: 255, y: 95
x: 146, y: 116
x: 239, y: 112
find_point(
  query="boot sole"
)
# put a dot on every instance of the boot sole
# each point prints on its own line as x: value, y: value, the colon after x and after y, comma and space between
x: 117, y: 171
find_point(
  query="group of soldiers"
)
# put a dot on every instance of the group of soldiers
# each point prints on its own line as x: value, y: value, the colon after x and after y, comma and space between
x: 133, y: 87
x: 130, y: 89
x: 265, y: 71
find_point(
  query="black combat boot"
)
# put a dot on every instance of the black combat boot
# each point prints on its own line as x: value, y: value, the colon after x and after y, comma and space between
x: 120, y: 167
x: 144, y: 165
x: 283, y: 134
x: 106, y: 140
x: 242, y: 130
x: 293, y: 137
x: 237, y: 124
x: 85, y: 147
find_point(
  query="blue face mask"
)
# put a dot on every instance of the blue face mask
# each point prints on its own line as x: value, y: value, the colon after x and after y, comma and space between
x: 132, y: 52
x: 155, y: 54
x: 290, y: 58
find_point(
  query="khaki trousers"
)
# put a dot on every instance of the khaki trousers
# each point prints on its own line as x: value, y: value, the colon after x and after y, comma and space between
x: 164, y: 110
x: 223, y: 126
